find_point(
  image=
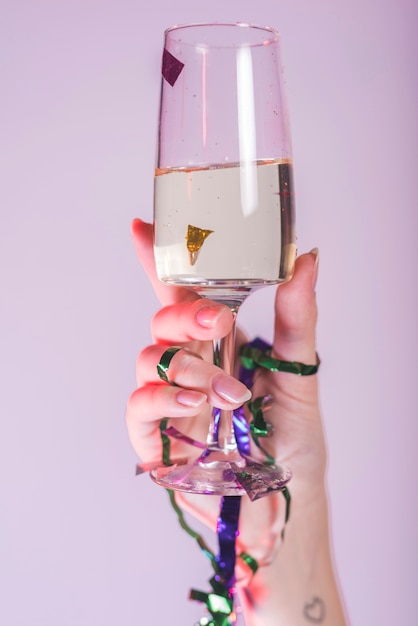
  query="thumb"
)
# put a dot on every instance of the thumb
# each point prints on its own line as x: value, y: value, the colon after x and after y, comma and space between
x: 296, y: 313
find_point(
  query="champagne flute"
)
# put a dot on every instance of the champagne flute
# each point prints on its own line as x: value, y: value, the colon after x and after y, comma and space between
x: 223, y: 208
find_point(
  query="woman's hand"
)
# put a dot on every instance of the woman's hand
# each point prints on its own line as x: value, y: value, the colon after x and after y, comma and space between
x: 297, y: 436
x: 193, y: 322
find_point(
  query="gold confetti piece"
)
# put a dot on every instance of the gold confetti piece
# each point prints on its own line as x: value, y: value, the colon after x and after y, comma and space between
x: 195, y: 239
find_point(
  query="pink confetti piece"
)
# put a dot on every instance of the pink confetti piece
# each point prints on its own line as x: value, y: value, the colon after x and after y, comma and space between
x: 171, y: 67
x: 171, y: 431
x: 143, y: 468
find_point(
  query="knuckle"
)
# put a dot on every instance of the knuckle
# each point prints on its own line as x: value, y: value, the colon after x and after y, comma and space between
x: 145, y: 353
x: 184, y: 365
x: 155, y: 398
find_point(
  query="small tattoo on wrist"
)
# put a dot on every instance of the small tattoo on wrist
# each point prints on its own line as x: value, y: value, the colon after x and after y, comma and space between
x: 314, y: 611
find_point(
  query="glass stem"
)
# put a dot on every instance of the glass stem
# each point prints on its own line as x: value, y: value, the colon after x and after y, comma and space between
x: 221, y: 436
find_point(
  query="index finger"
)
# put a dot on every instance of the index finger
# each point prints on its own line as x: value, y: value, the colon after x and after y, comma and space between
x: 201, y: 320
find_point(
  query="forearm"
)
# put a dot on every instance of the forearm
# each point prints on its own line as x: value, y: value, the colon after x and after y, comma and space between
x: 299, y: 587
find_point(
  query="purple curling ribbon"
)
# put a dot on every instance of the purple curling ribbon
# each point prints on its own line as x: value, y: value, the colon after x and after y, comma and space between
x: 227, y: 529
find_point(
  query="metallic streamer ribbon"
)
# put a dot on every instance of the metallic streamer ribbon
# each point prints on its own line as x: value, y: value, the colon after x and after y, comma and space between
x: 220, y: 601
x: 252, y: 356
x: 164, y: 364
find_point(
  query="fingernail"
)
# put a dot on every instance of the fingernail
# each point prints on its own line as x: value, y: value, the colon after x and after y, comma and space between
x: 207, y: 316
x: 191, y: 398
x: 230, y: 389
x: 315, y: 252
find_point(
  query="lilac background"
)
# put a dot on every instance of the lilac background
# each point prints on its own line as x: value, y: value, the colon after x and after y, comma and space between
x: 82, y: 540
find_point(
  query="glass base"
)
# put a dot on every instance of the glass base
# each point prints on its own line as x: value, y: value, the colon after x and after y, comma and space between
x: 223, y: 478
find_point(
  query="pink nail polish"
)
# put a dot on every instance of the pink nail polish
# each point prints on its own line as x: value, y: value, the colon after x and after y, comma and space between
x: 191, y: 398
x: 315, y: 253
x: 207, y: 316
x: 230, y: 389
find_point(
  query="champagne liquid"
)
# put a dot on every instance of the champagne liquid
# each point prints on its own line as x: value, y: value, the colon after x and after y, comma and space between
x: 242, y: 225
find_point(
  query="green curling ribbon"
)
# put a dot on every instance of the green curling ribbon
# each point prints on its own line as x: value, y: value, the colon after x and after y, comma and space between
x: 286, y: 494
x: 258, y: 426
x: 252, y: 357
x: 195, y: 535
x: 249, y: 560
x: 219, y: 587
x: 165, y: 440
x: 164, y: 363
x: 180, y: 516
x: 216, y: 603
x: 219, y: 603
x: 218, y: 606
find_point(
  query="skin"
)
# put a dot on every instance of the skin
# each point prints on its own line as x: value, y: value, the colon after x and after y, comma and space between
x: 296, y: 584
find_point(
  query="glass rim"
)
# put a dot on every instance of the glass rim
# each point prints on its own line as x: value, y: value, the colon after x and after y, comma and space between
x: 272, y: 32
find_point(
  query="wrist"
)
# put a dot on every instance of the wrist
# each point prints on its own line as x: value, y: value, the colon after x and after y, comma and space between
x: 299, y: 583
